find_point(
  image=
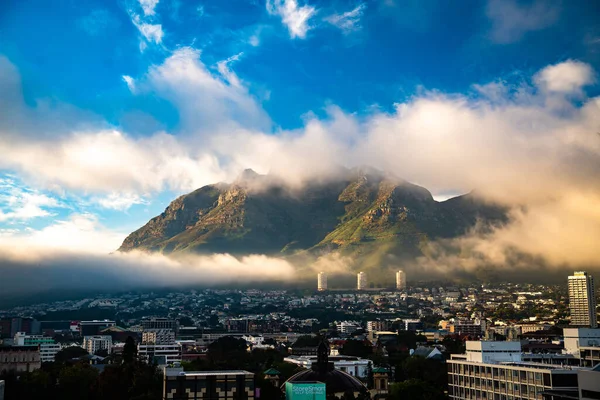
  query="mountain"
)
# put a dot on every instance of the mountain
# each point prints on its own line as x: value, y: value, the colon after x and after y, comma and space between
x: 373, y: 217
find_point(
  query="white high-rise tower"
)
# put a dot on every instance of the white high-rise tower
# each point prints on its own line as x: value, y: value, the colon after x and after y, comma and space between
x: 582, y: 300
x: 400, y: 280
x: 361, y: 281
x: 322, y: 281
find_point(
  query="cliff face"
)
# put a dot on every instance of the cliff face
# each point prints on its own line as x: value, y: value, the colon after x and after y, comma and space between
x: 366, y: 214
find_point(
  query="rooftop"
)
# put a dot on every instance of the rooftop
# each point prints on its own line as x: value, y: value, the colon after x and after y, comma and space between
x: 215, y: 373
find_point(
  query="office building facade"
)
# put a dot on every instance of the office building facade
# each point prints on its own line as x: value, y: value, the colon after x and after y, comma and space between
x: 582, y: 300
x: 158, y: 336
x: 159, y: 323
x: 495, y: 371
x: 322, y: 281
x: 361, y: 281
x: 400, y: 280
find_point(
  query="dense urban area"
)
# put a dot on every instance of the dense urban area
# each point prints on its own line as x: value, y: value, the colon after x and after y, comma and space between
x: 423, y: 340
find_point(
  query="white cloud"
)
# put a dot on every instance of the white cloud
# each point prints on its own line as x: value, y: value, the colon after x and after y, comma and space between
x: 151, y: 32
x: 120, y: 201
x: 511, y: 20
x: 227, y: 73
x: 348, y: 21
x: 78, y: 233
x: 148, y: 6
x: 568, y: 77
x: 130, y: 82
x: 19, y: 203
x: 540, y: 161
x: 254, y: 40
x: 205, y: 101
x: 296, y: 18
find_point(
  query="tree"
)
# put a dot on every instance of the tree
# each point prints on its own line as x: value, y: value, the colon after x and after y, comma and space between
x: 415, y: 389
x: 129, y: 350
x: 69, y: 353
x: 228, y: 352
x: 77, y: 382
x: 101, y: 353
x: 307, y: 341
x: 356, y: 348
x: 370, y: 380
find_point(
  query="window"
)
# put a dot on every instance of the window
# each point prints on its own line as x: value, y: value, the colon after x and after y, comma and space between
x: 590, y: 394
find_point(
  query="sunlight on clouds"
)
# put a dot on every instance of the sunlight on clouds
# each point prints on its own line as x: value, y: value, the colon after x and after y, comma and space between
x: 539, y: 161
x: 568, y: 77
x: 19, y: 203
x: 78, y: 233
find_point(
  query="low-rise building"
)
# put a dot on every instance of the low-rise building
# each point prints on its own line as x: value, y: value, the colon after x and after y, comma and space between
x: 354, y: 366
x: 94, y: 343
x: 379, y: 325
x: 20, y: 358
x: 162, y: 354
x: 158, y: 336
x: 23, y: 339
x: 48, y: 351
x: 207, y: 385
x: 91, y: 328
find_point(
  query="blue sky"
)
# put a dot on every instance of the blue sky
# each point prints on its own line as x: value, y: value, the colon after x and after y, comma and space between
x: 111, y: 109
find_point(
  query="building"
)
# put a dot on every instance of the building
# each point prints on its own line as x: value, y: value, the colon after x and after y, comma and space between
x: 412, y: 324
x: 159, y: 323
x: 93, y: 328
x: 494, y: 370
x: 361, y: 281
x: 473, y: 328
x: 100, y: 342
x: 400, y: 280
x: 48, y: 351
x: 322, y: 281
x: 158, y: 336
x: 379, y: 325
x: 347, y: 327
x: 577, y: 338
x: 20, y: 358
x: 10, y: 326
x: 162, y: 354
x: 23, y: 339
x: 305, y: 391
x: 381, y: 377
x: 337, y: 382
x: 207, y: 385
x: 589, y: 383
x: 582, y: 300
x: 351, y: 365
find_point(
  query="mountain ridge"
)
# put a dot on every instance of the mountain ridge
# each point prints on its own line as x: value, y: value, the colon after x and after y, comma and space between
x: 372, y: 216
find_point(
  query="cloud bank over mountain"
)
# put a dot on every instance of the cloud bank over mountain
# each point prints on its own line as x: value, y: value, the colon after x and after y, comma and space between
x: 532, y: 146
